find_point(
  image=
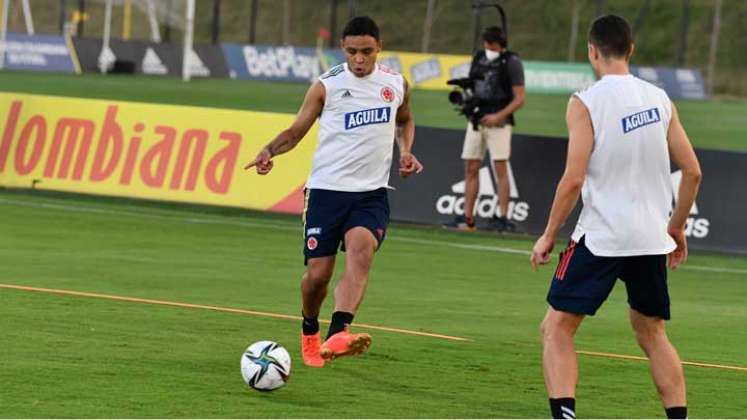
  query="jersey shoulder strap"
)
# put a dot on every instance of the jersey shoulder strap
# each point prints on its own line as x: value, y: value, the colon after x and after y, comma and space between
x: 334, y: 71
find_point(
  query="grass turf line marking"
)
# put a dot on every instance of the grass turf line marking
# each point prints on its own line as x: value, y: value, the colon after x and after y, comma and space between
x: 219, y: 309
x: 298, y: 318
x: 473, y: 247
x: 628, y: 357
x: 293, y: 227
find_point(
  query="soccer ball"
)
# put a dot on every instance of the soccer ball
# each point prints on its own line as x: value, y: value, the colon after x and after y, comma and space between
x: 265, y: 365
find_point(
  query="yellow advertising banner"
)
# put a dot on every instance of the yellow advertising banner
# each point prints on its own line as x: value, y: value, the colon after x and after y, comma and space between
x: 151, y: 151
x: 431, y: 71
x: 427, y: 71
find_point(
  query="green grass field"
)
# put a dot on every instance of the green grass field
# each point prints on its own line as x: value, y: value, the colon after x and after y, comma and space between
x: 72, y: 356
x: 711, y: 124
x: 88, y: 357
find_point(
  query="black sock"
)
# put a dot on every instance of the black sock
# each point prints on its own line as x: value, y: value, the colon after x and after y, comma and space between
x: 563, y: 408
x: 676, y: 412
x: 310, y: 326
x: 339, y: 321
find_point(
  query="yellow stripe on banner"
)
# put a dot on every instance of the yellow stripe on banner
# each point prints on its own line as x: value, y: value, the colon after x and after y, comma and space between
x: 219, y: 309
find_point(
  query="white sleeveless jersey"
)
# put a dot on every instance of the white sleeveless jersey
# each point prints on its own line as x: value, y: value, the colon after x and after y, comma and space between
x: 356, y: 130
x: 627, y: 194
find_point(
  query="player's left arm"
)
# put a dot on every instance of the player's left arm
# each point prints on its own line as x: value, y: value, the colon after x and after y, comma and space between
x: 580, y: 145
x: 405, y: 135
x: 683, y: 155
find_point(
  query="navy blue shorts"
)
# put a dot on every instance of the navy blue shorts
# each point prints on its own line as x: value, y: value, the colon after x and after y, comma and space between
x: 583, y: 281
x: 329, y: 215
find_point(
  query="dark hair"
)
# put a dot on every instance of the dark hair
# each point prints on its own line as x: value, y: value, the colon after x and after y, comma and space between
x: 494, y: 34
x: 361, y: 25
x: 612, y: 35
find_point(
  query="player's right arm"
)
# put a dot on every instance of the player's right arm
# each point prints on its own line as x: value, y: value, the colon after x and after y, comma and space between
x: 580, y: 146
x: 312, y: 106
x: 683, y: 155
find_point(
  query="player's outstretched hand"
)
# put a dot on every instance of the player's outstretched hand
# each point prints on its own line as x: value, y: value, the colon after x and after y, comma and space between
x: 263, y: 162
x: 679, y: 255
x: 408, y: 165
x: 541, y: 251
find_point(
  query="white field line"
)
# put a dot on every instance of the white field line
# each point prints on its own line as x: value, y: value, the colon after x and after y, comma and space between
x: 296, y: 227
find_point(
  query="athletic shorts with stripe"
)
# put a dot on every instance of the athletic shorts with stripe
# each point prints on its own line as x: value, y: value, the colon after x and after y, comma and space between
x: 582, y: 281
x: 328, y: 215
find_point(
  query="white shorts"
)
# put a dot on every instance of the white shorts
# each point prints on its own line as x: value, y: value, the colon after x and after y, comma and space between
x: 495, y: 139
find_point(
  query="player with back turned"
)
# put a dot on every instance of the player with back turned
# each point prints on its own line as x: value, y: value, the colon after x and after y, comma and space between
x: 362, y: 107
x: 622, y: 132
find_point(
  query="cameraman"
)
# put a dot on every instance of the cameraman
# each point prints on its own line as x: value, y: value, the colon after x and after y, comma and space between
x: 499, y: 86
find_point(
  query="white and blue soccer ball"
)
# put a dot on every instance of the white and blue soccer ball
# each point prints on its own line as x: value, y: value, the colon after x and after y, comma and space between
x: 265, y: 365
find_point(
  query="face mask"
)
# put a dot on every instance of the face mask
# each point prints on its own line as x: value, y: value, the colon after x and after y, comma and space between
x: 492, y: 55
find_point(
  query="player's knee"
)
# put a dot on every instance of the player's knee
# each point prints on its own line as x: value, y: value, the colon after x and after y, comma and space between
x: 360, y: 246
x: 361, y: 254
x: 319, y: 274
x: 550, y: 330
x: 553, y: 328
x: 650, y: 334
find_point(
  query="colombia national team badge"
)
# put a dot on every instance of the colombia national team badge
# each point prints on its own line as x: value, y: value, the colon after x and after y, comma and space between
x: 387, y: 94
x: 312, y: 243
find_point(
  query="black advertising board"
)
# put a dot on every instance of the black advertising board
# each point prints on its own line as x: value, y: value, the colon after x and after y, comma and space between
x: 154, y: 58
x: 718, y: 220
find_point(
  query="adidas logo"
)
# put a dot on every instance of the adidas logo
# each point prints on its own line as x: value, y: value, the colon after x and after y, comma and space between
x: 487, y: 185
x: 152, y: 63
x: 347, y: 94
x: 695, y: 226
x: 196, y: 66
x: 487, y: 198
x: 676, y: 178
x: 106, y: 59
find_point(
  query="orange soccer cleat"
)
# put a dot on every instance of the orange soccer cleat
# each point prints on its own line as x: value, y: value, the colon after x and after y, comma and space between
x: 310, y: 350
x: 345, y: 343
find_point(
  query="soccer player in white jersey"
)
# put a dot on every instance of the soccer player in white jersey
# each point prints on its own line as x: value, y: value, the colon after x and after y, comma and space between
x: 622, y: 133
x: 360, y: 105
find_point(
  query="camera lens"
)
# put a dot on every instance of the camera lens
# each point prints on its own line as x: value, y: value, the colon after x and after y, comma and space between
x: 455, y: 97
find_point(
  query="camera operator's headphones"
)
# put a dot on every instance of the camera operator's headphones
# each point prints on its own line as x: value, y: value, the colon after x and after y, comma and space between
x: 477, y: 7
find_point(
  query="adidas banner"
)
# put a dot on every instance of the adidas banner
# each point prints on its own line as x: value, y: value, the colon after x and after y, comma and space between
x: 151, y: 58
x: 717, y: 222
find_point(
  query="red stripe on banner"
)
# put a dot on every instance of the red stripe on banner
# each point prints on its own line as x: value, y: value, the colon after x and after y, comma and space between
x: 569, y: 255
x: 292, y: 203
